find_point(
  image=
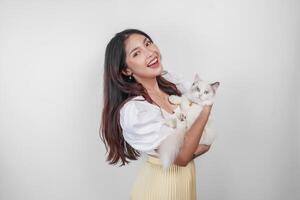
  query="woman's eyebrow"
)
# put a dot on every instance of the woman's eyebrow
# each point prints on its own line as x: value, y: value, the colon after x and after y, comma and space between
x: 138, y: 47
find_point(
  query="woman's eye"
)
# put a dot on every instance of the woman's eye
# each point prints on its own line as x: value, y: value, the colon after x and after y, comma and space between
x: 135, y: 54
x: 149, y: 42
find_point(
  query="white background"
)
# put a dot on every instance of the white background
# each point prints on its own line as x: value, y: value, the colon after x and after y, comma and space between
x: 51, y: 66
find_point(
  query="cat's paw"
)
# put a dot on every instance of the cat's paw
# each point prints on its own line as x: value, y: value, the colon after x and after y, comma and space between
x: 181, y: 125
x: 181, y: 116
x: 174, y: 99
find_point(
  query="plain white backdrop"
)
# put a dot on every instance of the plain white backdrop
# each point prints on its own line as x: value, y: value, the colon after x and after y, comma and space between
x: 51, y: 66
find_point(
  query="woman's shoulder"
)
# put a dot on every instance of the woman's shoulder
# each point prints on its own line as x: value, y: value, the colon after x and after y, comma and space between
x: 137, y: 113
x: 133, y: 101
x: 138, y: 104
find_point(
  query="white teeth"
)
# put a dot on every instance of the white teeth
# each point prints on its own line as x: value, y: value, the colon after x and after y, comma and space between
x: 153, y: 61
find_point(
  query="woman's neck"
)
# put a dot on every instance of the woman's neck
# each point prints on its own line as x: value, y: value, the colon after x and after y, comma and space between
x: 151, y: 86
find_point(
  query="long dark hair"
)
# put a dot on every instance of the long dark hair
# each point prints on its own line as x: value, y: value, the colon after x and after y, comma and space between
x: 118, y: 89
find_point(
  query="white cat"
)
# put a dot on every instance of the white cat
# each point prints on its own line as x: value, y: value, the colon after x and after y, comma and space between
x: 191, y: 103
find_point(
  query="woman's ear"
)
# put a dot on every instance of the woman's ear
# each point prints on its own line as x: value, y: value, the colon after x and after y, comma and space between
x: 126, y: 71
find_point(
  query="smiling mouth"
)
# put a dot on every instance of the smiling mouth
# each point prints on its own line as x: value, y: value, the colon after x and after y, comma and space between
x: 153, y: 62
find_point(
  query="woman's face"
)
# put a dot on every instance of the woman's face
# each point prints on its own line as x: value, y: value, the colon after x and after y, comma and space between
x: 140, y: 54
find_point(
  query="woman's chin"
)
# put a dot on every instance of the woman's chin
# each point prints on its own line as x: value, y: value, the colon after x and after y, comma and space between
x: 159, y: 70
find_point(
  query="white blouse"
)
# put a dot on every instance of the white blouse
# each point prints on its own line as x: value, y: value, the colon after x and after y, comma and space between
x: 142, y: 122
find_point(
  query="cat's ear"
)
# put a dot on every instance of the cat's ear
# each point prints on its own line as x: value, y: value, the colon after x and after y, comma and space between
x: 197, y: 78
x: 215, y: 85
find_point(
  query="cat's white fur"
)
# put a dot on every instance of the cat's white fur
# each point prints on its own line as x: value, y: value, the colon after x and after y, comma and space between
x: 191, y: 103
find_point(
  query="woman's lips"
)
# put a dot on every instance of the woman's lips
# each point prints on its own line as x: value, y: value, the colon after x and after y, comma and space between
x: 154, y: 65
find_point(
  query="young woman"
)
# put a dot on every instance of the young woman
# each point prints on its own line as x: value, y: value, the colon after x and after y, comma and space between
x: 136, y: 90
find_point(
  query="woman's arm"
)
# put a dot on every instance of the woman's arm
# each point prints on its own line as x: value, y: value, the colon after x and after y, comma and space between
x: 201, y: 149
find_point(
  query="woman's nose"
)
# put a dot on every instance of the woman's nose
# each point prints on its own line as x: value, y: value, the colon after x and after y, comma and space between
x: 149, y: 53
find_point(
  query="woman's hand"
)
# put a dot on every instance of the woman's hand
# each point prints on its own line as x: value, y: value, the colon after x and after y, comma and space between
x: 208, y: 107
x: 201, y: 149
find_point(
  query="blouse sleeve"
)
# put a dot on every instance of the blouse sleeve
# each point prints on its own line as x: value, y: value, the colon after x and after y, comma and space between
x: 143, y: 125
x: 182, y: 84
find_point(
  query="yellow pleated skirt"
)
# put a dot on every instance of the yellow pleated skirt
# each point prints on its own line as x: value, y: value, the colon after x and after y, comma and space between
x: 155, y: 183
